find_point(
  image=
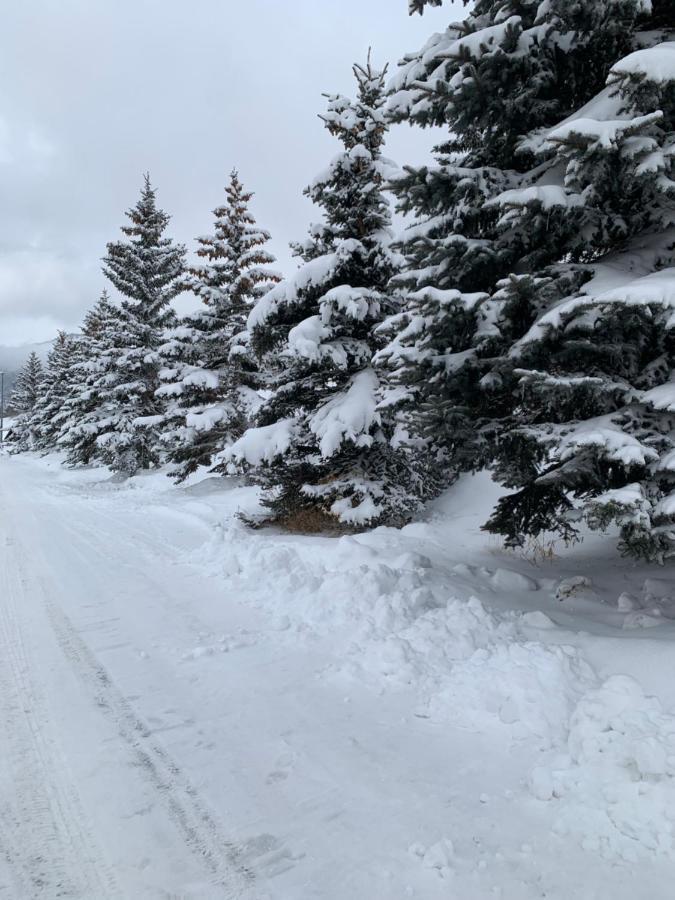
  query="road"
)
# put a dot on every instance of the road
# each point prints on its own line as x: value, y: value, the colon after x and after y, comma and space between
x: 174, y: 727
x: 161, y: 739
x: 93, y: 803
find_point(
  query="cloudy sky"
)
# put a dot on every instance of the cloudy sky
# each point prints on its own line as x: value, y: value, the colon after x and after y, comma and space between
x: 95, y: 92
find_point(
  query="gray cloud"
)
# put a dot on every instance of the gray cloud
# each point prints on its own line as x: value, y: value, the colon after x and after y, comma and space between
x: 93, y: 93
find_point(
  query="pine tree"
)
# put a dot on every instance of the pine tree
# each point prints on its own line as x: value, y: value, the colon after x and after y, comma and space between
x: 28, y: 385
x: 87, y: 411
x: 318, y: 446
x: 417, y: 6
x: 147, y: 270
x: 490, y: 221
x: 43, y: 422
x: 210, y: 376
x: 593, y: 434
x: 25, y: 394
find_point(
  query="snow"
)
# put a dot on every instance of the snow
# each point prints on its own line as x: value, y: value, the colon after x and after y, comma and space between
x: 630, y: 495
x: 656, y: 288
x: 614, y: 443
x: 306, y: 339
x: 616, y: 783
x: 483, y: 40
x: 314, y: 272
x: 607, y: 133
x: 201, y: 378
x: 202, y: 710
x: 349, y: 416
x: 357, y: 303
x: 548, y: 196
x: 260, y: 445
x: 605, y: 105
x: 207, y: 419
x: 661, y: 397
x: 666, y: 506
x: 656, y: 64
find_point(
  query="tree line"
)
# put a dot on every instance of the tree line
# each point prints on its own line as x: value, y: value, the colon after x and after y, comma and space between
x: 523, y: 321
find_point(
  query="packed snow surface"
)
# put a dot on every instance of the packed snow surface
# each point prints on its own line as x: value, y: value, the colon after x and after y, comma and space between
x: 193, y: 709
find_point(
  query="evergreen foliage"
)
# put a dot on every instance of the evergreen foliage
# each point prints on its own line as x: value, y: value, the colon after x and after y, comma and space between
x: 25, y: 394
x: 507, y: 223
x: 28, y: 385
x: 147, y: 270
x: 209, y: 376
x: 318, y: 446
x: 43, y: 422
x: 524, y: 321
x: 593, y: 435
x: 419, y: 5
x: 90, y: 406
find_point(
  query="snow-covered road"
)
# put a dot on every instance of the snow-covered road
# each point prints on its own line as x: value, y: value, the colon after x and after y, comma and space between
x: 93, y: 803
x: 186, y: 717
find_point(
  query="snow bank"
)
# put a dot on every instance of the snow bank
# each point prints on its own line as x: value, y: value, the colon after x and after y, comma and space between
x: 615, y: 783
x: 601, y: 751
x: 400, y: 624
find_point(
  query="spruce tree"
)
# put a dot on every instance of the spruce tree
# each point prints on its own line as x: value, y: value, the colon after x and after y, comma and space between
x: 147, y: 270
x: 87, y: 411
x: 593, y: 433
x: 318, y: 446
x: 25, y: 394
x: 43, y: 422
x: 490, y: 222
x: 209, y: 373
x: 419, y: 5
x: 28, y: 385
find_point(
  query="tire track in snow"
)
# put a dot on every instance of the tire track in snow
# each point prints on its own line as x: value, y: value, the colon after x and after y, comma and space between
x: 196, y: 824
x: 44, y: 834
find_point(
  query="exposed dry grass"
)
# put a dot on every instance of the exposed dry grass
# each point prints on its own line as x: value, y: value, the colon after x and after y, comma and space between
x: 312, y: 520
x: 309, y: 520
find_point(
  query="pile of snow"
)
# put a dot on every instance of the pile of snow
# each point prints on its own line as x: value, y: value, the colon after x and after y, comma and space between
x: 317, y: 585
x: 601, y: 751
x: 615, y: 783
x: 399, y: 625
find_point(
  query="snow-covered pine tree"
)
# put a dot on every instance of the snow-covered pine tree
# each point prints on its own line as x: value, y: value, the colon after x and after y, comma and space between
x: 147, y: 270
x: 593, y: 435
x: 86, y: 412
x: 28, y: 385
x: 476, y: 277
x: 25, y: 394
x: 318, y: 446
x: 209, y: 375
x: 43, y: 422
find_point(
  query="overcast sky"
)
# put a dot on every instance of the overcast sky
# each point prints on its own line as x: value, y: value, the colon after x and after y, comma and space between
x: 95, y: 92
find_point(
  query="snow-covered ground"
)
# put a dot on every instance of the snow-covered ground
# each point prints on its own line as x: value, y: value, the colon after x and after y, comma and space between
x: 195, y: 710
